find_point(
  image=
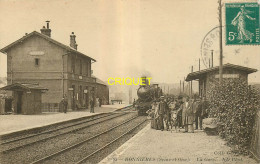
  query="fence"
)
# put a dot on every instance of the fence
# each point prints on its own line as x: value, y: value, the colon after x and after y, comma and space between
x: 50, y: 107
x: 255, y: 142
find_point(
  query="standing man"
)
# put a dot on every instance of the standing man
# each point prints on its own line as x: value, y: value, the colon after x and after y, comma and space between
x: 198, y: 115
x: 185, y: 107
x: 151, y: 114
x: 191, y: 114
x: 156, y: 115
x: 161, y: 110
x: 64, y: 103
x: 100, y: 102
x: 178, y: 107
x: 92, y: 106
x: 204, y: 106
x: 167, y: 114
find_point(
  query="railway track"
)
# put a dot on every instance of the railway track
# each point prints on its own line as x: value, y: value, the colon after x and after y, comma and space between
x: 96, y: 156
x: 50, y: 131
x: 26, y: 149
x: 73, y: 153
x: 26, y: 140
x: 10, y: 138
x: 40, y: 137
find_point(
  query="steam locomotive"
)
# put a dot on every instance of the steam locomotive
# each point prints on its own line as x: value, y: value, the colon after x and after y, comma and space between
x: 146, y: 95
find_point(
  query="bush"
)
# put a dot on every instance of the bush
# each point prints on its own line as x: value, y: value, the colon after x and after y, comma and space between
x: 234, y: 104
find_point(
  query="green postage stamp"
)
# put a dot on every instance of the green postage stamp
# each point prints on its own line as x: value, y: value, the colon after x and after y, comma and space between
x: 242, y: 24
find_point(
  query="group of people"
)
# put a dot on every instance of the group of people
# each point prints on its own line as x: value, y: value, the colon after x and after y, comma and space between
x: 64, y: 105
x: 183, y: 112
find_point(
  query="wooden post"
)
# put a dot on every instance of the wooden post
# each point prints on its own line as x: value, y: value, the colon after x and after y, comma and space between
x: 212, y: 58
x: 183, y: 84
x: 180, y: 86
x: 190, y: 88
x: 199, y: 64
x: 130, y: 95
x: 220, y: 44
x: 191, y: 81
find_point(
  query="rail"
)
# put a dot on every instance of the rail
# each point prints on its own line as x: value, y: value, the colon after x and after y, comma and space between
x: 95, y: 152
x: 81, y: 142
x: 56, y: 135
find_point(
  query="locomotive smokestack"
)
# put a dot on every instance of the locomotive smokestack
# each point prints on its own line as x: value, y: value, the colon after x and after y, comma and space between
x: 145, y: 80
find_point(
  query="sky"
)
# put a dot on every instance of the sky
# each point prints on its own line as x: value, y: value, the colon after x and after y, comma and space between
x: 128, y: 38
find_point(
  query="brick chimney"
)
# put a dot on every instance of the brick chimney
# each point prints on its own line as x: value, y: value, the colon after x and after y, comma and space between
x: 73, y: 43
x: 46, y: 31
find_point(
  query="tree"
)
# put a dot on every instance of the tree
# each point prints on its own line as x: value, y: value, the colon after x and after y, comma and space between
x: 234, y: 104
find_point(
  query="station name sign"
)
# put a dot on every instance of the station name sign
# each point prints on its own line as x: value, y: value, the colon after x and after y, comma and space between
x: 228, y: 76
x: 36, y: 53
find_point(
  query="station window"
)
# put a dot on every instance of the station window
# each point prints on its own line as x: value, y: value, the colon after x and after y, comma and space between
x: 80, y: 67
x: 73, y: 65
x: 87, y: 65
x: 36, y: 61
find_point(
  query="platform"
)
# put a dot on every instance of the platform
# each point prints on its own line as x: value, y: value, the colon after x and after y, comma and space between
x: 154, y: 146
x: 13, y: 123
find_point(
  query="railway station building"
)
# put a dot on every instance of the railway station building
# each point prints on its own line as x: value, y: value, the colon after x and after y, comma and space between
x: 63, y: 70
x: 210, y: 76
x: 102, y: 91
x: 26, y: 98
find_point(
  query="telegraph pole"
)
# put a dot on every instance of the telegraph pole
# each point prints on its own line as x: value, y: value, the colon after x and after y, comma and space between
x: 183, y: 84
x: 130, y: 95
x: 188, y: 87
x: 180, y: 86
x: 220, y: 44
x: 191, y: 82
x: 212, y: 58
x: 199, y: 64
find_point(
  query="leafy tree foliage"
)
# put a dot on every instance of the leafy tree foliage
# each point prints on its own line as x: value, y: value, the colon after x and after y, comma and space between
x: 234, y: 104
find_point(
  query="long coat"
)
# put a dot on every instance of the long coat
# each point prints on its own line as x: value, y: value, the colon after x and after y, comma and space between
x: 198, y: 111
x: 195, y: 107
x: 187, y: 113
x: 191, y: 112
x: 161, y: 110
x: 204, y: 106
x: 151, y: 114
x: 156, y: 115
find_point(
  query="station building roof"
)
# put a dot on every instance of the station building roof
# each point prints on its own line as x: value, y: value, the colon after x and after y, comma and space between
x: 68, y: 48
x: 98, y: 81
x: 21, y: 87
x: 199, y: 74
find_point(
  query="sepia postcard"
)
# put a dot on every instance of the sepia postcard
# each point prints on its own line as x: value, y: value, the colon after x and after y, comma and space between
x: 130, y: 81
